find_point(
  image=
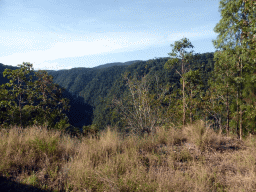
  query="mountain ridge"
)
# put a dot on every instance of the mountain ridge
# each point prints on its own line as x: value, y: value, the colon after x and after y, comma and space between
x: 102, y: 66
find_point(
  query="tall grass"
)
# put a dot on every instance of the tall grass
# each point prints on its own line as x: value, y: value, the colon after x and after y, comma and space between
x: 191, y: 159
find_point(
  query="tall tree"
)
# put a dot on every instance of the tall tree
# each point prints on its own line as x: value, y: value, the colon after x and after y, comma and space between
x: 248, y: 67
x: 179, y: 56
x: 237, y: 40
x: 222, y: 85
x: 26, y: 93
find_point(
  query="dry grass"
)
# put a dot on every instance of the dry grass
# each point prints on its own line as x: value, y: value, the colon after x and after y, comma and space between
x: 193, y: 159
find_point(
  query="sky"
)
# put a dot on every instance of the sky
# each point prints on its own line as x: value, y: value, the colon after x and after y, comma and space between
x: 64, y: 34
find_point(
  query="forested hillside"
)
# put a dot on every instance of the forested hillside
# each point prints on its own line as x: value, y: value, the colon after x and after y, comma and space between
x: 91, y: 90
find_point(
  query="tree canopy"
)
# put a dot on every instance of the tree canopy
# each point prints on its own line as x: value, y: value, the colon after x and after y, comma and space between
x: 25, y: 102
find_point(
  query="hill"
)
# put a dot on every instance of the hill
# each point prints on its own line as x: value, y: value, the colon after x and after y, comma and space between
x: 91, y: 90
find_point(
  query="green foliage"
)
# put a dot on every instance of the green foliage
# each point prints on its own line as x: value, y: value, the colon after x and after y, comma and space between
x: 62, y: 124
x: 179, y: 54
x: 19, y: 103
x: 43, y: 146
x: 32, y: 180
x: 90, y: 129
x: 235, y: 65
x: 182, y: 58
x: 194, y: 92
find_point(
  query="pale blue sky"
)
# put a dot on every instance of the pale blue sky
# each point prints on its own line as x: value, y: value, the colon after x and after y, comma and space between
x: 64, y: 34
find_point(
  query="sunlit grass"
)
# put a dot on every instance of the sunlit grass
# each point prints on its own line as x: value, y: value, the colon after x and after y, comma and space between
x: 191, y: 159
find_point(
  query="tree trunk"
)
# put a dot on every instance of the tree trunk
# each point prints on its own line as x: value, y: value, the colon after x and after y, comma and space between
x: 20, y: 110
x: 190, y: 106
x: 237, y: 111
x: 227, y: 127
x: 184, y: 112
x: 19, y: 83
x: 240, y: 122
x: 241, y: 112
x: 183, y: 92
x: 220, y: 123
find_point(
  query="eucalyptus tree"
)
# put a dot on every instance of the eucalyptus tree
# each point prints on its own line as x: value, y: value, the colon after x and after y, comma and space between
x: 236, y: 41
x: 180, y: 57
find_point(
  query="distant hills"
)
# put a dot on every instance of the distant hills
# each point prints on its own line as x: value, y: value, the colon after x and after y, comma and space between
x: 91, y: 90
x: 2, y: 66
x: 97, y: 67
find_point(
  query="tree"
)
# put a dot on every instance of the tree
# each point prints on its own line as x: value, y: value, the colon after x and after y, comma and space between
x: 28, y: 93
x: 222, y: 84
x: 138, y: 108
x: 50, y: 101
x: 182, y: 57
x: 236, y: 40
x: 18, y: 90
x: 5, y: 103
